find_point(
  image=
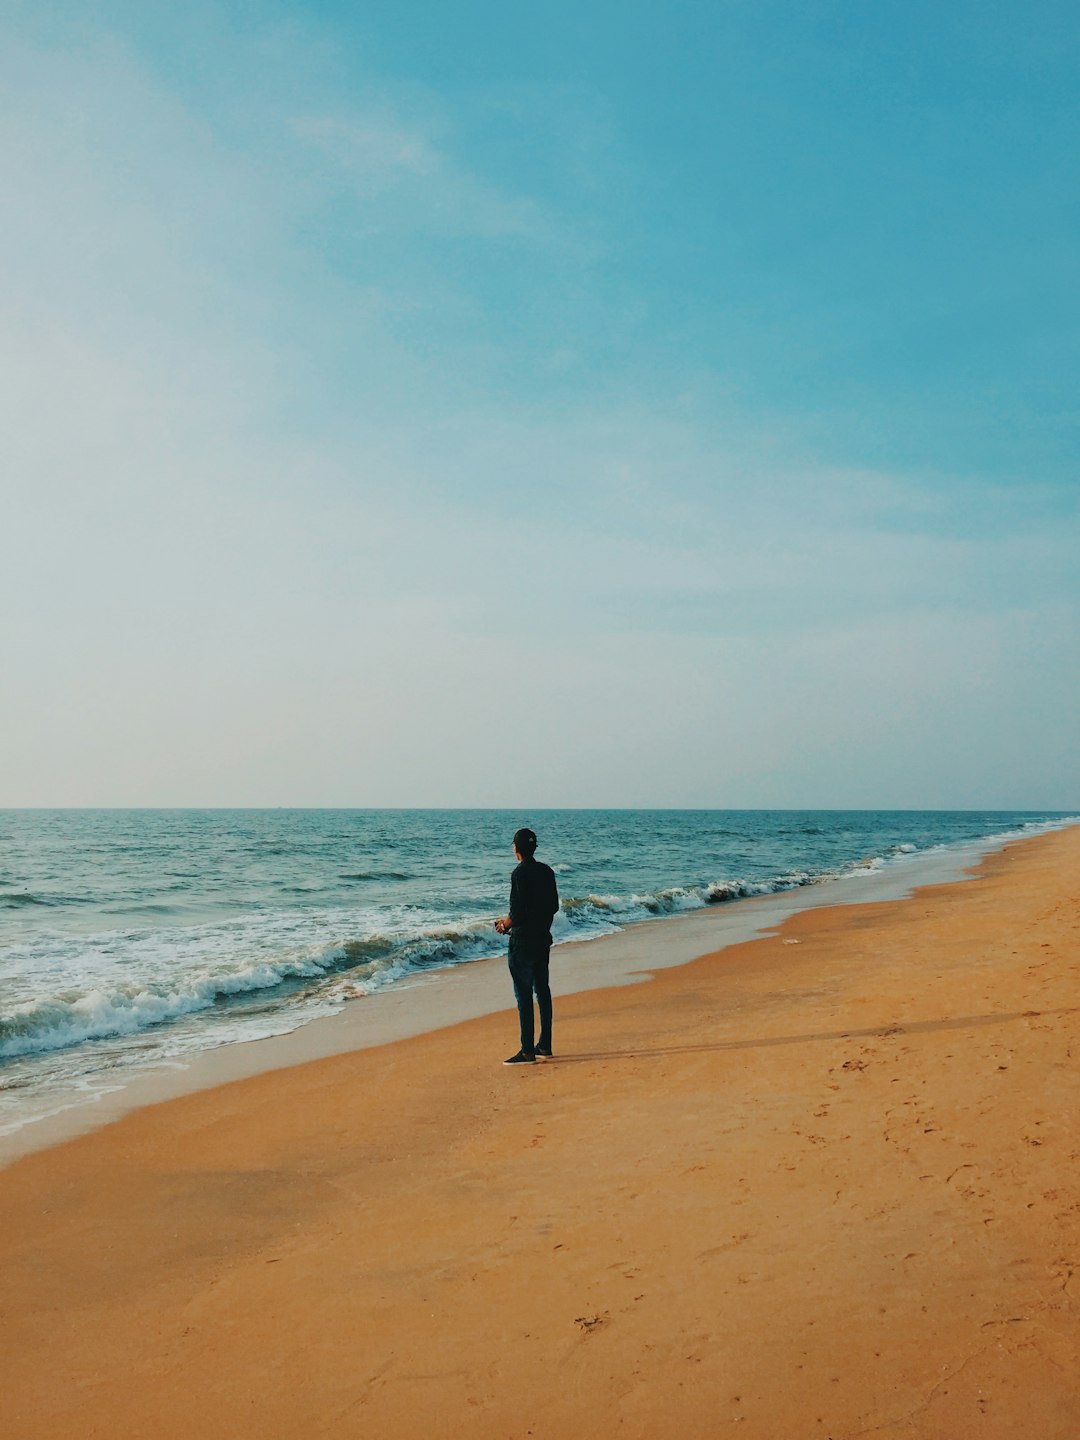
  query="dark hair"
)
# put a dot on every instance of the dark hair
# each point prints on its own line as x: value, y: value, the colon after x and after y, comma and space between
x: 525, y: 843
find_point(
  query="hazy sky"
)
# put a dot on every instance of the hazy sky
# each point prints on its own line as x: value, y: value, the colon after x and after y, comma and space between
x: 557, y: 404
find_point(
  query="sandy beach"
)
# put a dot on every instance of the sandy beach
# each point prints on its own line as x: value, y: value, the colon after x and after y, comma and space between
x: 819, y: 1184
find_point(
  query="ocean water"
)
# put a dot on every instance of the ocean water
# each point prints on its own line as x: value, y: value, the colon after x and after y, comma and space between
x: 132, y: 938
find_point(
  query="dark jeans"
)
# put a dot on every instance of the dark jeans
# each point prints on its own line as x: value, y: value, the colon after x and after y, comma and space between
x: 528, y: 962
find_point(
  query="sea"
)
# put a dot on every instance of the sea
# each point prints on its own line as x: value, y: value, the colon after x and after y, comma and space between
x: 134, y: 939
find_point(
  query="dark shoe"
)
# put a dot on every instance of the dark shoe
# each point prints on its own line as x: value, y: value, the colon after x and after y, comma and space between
x: 521, y: 1059
x: 543, y: 1052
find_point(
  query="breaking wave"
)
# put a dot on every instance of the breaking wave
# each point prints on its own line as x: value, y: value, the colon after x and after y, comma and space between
x: 72, y: 1017
x: 678, y: 899
x: 17, y: 899
x: 377, y: 875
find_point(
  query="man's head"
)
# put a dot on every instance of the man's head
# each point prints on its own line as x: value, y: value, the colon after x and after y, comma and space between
x: 525, y: 844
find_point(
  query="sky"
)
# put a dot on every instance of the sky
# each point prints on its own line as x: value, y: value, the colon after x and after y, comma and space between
x: 572, y: 404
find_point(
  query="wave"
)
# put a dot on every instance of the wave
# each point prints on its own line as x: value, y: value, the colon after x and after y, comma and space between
x: 17, y: 899
x: 617, y: 910
x: 72, y: 1017
x: 629, y: 907
x: 587, y: 910
x: 378, y: 875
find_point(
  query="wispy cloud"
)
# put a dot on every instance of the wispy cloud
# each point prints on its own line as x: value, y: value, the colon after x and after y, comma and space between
x: 370, y: 150
x: 401, y: 179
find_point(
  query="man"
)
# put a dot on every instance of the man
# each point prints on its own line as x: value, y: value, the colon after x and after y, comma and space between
x: 534, y: 899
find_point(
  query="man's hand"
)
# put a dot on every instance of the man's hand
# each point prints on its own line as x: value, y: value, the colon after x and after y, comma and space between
x: 502, y: 925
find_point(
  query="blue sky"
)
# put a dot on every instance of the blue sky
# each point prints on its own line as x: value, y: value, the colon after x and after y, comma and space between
x: 573, y: 404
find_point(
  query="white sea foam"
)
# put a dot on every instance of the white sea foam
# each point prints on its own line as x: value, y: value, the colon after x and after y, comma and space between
x: 122, y: 984
x: 68, y: 1018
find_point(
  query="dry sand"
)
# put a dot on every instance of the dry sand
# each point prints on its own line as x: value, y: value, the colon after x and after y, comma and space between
x: 820, y: 1184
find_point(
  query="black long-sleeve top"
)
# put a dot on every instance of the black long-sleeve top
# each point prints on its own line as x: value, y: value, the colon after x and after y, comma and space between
x: 534, y: 900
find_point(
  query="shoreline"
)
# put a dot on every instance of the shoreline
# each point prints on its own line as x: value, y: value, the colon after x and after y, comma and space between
x: 445, y: 997
x: 821, y: 1183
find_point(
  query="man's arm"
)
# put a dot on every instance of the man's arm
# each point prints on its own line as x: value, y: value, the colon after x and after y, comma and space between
x: 505, y: 922
x: 517, y: 901
x: 553, y: 894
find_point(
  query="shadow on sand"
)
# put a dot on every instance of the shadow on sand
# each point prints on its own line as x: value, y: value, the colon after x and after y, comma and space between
x: 875, y: 1032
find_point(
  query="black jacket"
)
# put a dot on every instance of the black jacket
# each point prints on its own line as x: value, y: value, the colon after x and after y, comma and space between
x: 534, y: 900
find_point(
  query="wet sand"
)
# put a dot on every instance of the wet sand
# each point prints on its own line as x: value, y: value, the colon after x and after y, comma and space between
x: 821, y: 1184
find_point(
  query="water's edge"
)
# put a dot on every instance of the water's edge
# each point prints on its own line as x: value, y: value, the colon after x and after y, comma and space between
x: 449, y: 997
